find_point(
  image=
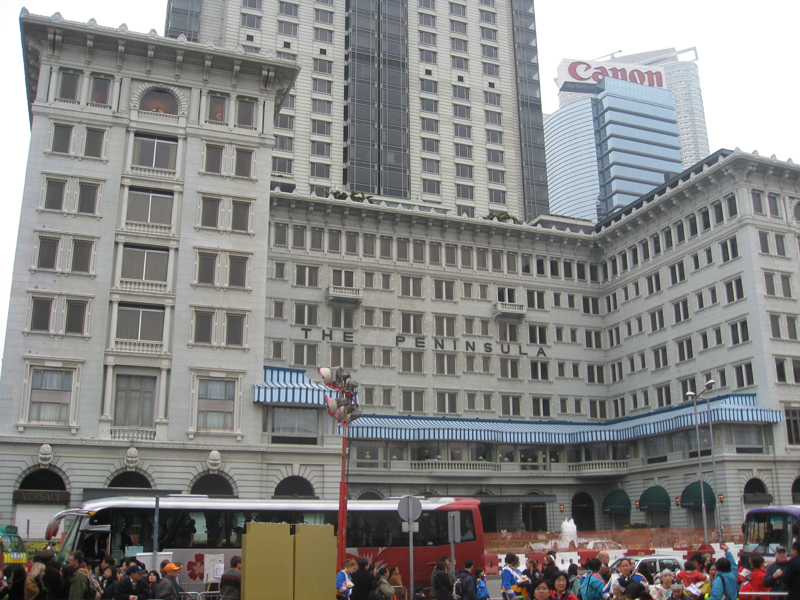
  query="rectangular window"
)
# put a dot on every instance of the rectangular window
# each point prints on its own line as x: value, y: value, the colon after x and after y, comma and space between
x: 323, y: 16
x: 215, y: 404
x: 94, y: 143
x: 427, y: 56
x: 155, y: 152
x: 62, y: 136
x: 323, y: 66
x: 101, y: 88
x: 323, y: 35
x: 144, y: 264
x: 413, y: 401
x: 510, y: 406
x: 458, y: 27
x: 41, y: 311
x: 460, y: 63
x: 244, y: 162
x: 51, y: 392
x: 144, y: 324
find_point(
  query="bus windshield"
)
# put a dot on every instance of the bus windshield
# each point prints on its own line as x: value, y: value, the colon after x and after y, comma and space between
x: 765, y: 531
x: 10, y: 540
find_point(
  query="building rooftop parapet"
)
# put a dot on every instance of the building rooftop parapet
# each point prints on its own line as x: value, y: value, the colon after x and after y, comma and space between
x: 45, y: 37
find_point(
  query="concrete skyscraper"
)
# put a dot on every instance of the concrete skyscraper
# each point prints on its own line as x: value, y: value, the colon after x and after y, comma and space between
x: 416, y: 100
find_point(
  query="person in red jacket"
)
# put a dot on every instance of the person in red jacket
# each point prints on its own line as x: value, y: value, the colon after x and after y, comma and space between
x: 691, y: 574
x: 757, y: 573
x: 558, y: 587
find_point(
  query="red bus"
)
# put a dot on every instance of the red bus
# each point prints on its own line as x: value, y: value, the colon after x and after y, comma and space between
x: 192, y: 526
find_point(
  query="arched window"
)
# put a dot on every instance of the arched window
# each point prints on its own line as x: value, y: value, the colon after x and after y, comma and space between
x: 212, y: 485
x: 370, y: 495
x: 583, y: 511
x: 43, y: 479
x: 755, y: 486
x: 130, y: 479
x: 294, y: 487
x: 159, y: 101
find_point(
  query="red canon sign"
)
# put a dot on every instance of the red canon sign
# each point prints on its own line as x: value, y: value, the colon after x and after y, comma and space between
x: 582, y: 71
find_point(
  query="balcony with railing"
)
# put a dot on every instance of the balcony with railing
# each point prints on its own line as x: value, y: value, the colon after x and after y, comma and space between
x: 345, y: 294
x: 510, y: 309
x: 152, y: 172
x: 148, y: 228
x: 133, y: 434
x: 139, y: 347
x: 143, y: 287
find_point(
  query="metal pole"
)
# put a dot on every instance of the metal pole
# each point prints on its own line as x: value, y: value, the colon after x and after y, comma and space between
x: 717, y: 507
x: 341, y: 541
x: 700, y: 467
x: 155, y: 536
x: 410, y: 553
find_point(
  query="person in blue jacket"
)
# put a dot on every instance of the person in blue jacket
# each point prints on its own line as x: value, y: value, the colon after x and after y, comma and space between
x: 513, y: 577
x: 592, y: 584
x: 724, y: 584
x: 344, y: 587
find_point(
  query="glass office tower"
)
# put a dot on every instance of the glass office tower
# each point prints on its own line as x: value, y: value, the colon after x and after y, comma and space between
x: 529, y: 104
x: 376, y: 76
x: 637, y: 141
x: 609, y: 149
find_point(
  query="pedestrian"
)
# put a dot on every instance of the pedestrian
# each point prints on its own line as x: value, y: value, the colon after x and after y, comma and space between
x: 469, y: 586
x: 678, y: 592
x: 34, y: 585
x: 51, y: 576
x: 80, y: 578
x: 512, y: 577
x: 603, y: 557
x: 757, y: 574
x: 690, y: 574
x: 559, y: 587
x: 230, y: 584
x: 67, y: 575
x: 574, y: 584
x: 550, y: 568
x: 442, y: 588
x: 133, y: 586
x: 165, y: 589
x: 363, y: 581
x: 772, y: 576
x: 153, y: 578
x: 532, y: 571
x: 108, y: 582
x: 344, y: 585
x: 663, y: 589
x: 395, y: 580
x: 540, y: 590
x: 382, y: 586
x: 592, y: 584
x: 791, y: 573
x: 448, y: 569
x: 705, y: 589
x: 724, y: 584
x: 481, y: 591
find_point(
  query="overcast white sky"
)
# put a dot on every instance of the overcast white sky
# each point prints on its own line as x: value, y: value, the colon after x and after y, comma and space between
x: 747, y: 50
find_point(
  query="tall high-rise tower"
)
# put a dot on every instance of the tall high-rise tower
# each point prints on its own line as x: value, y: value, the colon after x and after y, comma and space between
x: 423, y: 100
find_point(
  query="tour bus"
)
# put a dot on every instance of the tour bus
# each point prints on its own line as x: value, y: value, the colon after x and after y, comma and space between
x: 12, y: 548
x: 768, y: 527
x: 191, y: 526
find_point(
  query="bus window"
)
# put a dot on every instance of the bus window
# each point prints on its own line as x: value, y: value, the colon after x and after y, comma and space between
x: 377, y: 529
x: 130, y: 527
x: 432, y: 529
x: 767, y: 531
x: 467, y: 526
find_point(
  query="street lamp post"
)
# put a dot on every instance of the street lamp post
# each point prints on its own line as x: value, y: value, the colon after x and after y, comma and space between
x: 691, y: 395
x: 718, y: 508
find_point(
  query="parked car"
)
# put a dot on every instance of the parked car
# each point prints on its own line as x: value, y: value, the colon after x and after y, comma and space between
x: 601, y: 545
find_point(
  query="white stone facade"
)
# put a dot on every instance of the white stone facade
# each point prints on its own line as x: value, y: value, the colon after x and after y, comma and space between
x: 196, y: 416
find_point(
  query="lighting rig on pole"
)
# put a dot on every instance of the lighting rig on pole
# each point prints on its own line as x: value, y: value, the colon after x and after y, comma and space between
x: 342, y: 406
x: 690, y: 395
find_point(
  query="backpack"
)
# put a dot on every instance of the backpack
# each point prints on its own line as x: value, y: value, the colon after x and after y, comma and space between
x: 93, y: 591
x: 458, y: 589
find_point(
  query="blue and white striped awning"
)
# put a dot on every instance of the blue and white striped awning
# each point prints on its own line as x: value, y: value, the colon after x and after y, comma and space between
x: 288, y: 386
x: 737, y: 408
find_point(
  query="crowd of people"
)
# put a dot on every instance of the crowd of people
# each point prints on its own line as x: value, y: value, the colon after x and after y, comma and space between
x: 79, y: 579
x: 702, y: 578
